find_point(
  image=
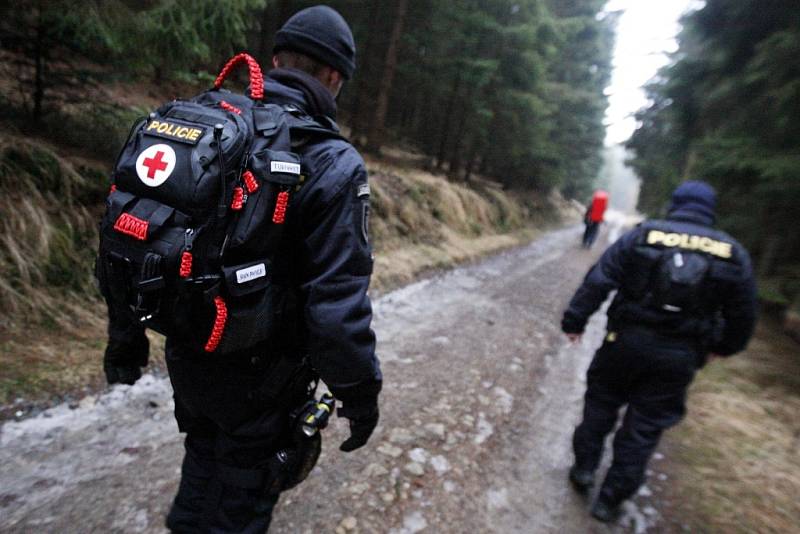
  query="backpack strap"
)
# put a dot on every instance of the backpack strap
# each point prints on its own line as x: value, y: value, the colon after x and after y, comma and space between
x: 303, y: 125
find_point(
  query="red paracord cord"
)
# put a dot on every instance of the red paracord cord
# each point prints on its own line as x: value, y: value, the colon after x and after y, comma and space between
x: 256, y: 78
x: 280, y: 207
x: 230, y: 107
x: 133, y: 226
x: 186, y: 264
x: 219, y: 324
x: 238, y: 199
x: 250, y: 181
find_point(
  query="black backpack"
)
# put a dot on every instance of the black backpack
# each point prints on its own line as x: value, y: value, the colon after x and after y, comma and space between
x: 678, y: 281
x: 196, y: 214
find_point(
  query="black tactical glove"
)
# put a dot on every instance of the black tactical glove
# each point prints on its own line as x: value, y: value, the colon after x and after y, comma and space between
x: 122, y: 374
x: 363, y: 421
x: 123, y: 360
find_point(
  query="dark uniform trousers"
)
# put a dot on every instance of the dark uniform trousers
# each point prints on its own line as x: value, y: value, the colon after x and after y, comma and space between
x: 648, y: 372
x: 231, y: 433
x: 590, y: 233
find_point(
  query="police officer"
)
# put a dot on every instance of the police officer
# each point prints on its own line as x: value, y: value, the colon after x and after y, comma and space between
x: 236, y: 410
x: 685, y: 291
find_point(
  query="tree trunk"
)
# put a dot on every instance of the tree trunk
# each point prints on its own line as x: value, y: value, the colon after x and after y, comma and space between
x: 362, y: 88
x: 265, y: 38
x: 441, y: 155
x: 769, y: 253
x: 409, y: 111
x: 271, y: 21
x: 473, y: 160
x: 455, y: 154
x: 377, y: 129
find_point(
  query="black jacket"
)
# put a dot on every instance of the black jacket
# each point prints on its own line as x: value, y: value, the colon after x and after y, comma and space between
x: 722, y: 323
x: 326, y: 258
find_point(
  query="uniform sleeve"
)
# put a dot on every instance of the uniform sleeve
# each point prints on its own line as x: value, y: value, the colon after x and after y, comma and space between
x: 127, y: 342
x: 605, y: 276
x: 337, y: 268
x: 738, y: 312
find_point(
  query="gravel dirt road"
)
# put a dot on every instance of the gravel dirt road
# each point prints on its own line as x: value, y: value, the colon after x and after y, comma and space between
x: 481, y: 395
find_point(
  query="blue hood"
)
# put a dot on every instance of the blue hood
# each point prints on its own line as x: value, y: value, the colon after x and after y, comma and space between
x: 694, y: 199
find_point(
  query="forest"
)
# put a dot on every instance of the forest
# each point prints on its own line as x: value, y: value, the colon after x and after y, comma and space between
x: 510, y: 89
x: 725, y: 110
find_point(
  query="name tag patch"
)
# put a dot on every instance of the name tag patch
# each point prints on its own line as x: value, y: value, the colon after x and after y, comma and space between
x: 248, y: 274
x: 285, y: 167
x: 176, y: 132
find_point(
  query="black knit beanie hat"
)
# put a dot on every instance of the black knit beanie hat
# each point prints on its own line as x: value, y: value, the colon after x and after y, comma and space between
x: 321, y: 33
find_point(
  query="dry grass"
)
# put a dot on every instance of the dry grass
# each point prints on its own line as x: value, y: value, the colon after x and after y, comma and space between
x: 423, y: 221
x: 736, y: 459
x: 47, y: 239
x: 46, y: 291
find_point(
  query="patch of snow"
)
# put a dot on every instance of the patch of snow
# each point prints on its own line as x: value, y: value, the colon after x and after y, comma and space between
x: 440, y: 464
x: 419, y: 455
x: 93, y: 410
x: 412, y: 523
x: 505, y: 401
x: 485, y: 429
x: 633, y: 518
x: 497, y: 498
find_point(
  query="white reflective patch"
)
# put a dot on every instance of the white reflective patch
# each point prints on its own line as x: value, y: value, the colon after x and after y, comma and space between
x: 284, y: 166
x: 363, y: 190
x: 251, y: 273
x: 155, y: 164
x: 678, y: 260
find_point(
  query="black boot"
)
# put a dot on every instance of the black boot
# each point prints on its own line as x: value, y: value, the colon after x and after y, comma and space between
x: 605, y: 512
x: 582, y: 480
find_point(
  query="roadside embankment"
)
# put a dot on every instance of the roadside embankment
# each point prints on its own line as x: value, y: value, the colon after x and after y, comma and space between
x: 52, y: 321
x: 734, y: 462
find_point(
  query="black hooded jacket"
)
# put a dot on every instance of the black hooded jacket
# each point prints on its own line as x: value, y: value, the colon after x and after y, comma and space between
x: 722, y: 323
x: 326, y: 259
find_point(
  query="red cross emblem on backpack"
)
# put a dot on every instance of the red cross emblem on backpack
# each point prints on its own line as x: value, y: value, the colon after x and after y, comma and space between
x: 155, y: 164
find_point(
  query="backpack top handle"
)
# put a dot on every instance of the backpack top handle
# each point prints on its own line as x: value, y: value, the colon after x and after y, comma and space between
x: 256, y: 78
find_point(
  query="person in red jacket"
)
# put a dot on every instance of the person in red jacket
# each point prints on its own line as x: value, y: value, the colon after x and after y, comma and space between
x: 593, y: 217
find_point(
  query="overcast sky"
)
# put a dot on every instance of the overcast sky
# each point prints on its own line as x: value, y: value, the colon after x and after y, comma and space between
x: 645, y: 35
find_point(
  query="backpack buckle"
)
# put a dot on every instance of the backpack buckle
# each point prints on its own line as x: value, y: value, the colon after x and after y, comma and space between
x: 151, y: 284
